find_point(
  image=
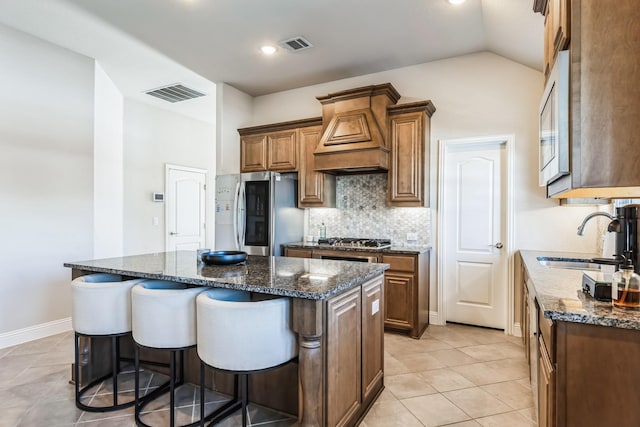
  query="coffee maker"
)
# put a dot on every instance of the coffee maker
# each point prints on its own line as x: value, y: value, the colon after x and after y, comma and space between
x: 625, y: 225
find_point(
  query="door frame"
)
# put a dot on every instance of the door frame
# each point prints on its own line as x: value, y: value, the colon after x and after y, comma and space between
x: 167, y: 168
x: 510, y: 328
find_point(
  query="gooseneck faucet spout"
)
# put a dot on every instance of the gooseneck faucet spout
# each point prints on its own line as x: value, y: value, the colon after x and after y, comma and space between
x: 588, y: 217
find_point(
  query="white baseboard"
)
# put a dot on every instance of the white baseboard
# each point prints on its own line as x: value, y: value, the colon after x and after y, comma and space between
x: 43, y: 330
x: 517, y: 330
x: 434, y: 318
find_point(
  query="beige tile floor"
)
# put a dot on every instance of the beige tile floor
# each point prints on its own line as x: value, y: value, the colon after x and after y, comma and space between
x: 455, y: 376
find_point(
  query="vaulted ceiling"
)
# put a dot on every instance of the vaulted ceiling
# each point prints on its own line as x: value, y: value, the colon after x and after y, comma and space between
x: 219, y: 40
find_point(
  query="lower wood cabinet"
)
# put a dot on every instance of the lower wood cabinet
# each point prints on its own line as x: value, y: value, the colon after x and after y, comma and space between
x: 546, y: 387
x: 354, y: 350
x: 344, y: 340
x: 406, y: 293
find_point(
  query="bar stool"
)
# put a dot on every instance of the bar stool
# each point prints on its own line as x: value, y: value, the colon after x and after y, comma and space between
x: 101, y: 308
x: 163, y: 317
x: 242, y: 337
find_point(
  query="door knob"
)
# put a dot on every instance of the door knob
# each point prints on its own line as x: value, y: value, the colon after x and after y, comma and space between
x: 498, y: 245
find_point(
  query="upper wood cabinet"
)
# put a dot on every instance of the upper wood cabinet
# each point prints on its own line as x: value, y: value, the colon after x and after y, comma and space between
x: 274, y: 151
x: 253, y: 153
x: 409, y: 135
x: 315, y: 189
x: 557, y: 30
x: 604, y: 101
x: 272, y: 147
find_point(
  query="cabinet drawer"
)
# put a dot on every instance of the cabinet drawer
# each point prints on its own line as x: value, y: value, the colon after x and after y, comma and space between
x: 400, y: 263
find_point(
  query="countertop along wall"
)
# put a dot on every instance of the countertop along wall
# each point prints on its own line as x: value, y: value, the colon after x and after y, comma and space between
x: 475, y: 95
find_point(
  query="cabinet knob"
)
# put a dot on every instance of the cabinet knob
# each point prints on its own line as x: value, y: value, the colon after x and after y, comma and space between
x: 498, y: 245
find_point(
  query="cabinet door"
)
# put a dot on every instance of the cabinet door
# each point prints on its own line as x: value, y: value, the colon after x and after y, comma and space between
x: 557, y: 31
x: 343, y: 355
x: 253, y: 154
x: 372, y: 338
x: 315, y: 189
x: 398, y: 297
x: 408, y: 160
x: 282, y: 152
x: 546, y: 387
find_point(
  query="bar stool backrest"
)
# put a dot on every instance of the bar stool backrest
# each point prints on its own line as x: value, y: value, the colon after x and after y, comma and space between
x: 101, y: 304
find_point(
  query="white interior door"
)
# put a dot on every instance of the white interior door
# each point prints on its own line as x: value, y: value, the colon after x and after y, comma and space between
x: 473, y: 215
x: 185, y: 208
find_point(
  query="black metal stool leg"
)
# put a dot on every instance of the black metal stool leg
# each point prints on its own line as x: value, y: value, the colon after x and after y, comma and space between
x: 201, y: 394
x: 114, y: 368
x: 244, y: 378
x: 137, y: 381
x: 76, y: 367
x: 172, y: 388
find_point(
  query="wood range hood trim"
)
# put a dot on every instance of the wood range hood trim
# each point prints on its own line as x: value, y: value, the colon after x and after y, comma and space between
x: 354, y: 138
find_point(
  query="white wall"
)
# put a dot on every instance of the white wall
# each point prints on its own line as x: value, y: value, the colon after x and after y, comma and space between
x: 153, y: 138
x: 233, y: 112
x: 46, y: 180
x: 108, y: 167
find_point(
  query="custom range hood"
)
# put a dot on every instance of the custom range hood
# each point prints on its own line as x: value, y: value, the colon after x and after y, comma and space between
x: 354, y: 124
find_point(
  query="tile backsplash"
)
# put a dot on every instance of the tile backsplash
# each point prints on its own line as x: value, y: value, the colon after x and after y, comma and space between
x: 361, y: 211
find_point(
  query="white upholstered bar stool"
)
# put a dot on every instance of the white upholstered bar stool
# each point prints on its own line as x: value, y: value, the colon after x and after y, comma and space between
x: 243, y: 337
x: 101, y: 308
x: 163, y: 317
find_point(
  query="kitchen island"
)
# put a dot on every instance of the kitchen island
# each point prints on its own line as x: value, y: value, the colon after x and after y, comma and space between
x: 337, y: 308
x: 581, y: 350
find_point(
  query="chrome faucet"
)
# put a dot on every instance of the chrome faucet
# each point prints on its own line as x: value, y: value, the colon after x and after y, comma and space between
x: 588, y: 217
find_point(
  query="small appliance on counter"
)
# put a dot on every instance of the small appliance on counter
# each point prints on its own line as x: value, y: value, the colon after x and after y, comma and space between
x: 597, y: 284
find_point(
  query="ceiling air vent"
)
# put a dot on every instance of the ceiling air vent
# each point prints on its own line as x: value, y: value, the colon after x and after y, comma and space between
x: 295, y: 44
x: 175, y: 93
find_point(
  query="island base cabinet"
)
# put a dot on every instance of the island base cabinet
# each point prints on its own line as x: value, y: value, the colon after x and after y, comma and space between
x: 354, y: 352
x: 344, y: 339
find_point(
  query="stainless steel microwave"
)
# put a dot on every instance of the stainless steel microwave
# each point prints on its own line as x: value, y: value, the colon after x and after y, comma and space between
x: 554, y: 123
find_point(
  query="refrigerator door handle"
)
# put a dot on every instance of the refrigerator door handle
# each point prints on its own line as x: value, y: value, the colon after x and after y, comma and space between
x: 236, y: 212
x: 242, y: 215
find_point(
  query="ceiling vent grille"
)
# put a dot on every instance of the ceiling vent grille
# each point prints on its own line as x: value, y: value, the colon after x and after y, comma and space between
x: 175, y: 93
x: 295, y: 44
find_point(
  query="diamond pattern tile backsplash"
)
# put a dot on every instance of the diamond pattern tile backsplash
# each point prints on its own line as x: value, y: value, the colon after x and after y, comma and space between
x: 361, y: 211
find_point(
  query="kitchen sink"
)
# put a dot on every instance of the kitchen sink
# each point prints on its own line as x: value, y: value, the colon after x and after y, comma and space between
x: 569, y: 263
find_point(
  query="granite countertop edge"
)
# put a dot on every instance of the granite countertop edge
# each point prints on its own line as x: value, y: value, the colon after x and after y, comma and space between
x: 410, y: 250
x: 345, y: 286
x: 559, y: 294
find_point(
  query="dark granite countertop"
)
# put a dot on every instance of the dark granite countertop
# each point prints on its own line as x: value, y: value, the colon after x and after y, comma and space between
x: 409, y: 250
x: 292, y: 277
x: 559, y: 293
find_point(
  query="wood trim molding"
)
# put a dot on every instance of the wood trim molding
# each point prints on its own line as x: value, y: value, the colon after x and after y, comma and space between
x: 274, y: 127
x: 412, y: 107
x: 540, y: 6
x: 373, y: 90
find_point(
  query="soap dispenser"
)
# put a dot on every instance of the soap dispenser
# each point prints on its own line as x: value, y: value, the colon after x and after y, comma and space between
x: 323, y: 231
x: 625, y: 286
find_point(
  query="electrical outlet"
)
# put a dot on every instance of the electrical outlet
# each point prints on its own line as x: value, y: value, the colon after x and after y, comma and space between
x: 412, y: 237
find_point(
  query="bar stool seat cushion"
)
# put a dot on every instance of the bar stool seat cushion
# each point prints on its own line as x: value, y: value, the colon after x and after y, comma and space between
x: 236, y: 334
x: 164, y: 314
x: 101, y: 304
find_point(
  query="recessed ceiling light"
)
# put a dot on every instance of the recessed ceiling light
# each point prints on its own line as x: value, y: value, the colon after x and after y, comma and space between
x: 268, y: 49
x: 456, y: 1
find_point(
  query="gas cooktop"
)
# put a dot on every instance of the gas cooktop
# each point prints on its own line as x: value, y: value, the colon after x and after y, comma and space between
x: 355, y: 242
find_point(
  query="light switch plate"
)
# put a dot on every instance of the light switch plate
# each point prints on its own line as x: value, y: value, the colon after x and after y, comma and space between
x: 412, y: 236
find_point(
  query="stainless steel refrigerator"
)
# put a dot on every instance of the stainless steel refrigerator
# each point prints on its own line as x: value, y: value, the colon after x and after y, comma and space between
x: 256, y: 212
